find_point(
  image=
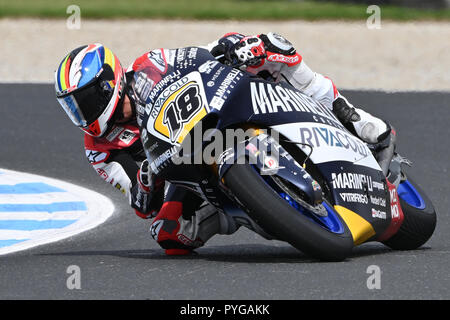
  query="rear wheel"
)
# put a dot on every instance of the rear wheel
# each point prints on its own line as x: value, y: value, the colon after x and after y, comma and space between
x: 419, y: 218
x: 317, y: 231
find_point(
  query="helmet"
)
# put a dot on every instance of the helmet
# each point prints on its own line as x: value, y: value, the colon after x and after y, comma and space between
x: 89, y: 85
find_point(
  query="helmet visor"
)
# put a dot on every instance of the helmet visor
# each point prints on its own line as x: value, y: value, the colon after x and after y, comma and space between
x: 85, y: 104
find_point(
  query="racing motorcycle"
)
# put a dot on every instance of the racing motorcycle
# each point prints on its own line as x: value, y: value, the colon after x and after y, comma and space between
x: 298, y: 175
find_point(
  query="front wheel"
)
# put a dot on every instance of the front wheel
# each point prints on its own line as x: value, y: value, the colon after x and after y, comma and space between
x: 419, y: 218
x: 276, y: 214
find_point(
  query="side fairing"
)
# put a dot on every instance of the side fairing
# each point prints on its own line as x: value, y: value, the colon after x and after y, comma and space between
x: 361, y: 196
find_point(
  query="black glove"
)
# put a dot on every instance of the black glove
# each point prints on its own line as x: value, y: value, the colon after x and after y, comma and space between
x: 249, y: 51
x: 344, y: 112
x: 224, y: 50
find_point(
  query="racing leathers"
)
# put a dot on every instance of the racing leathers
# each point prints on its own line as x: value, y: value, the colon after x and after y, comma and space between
x: 182, y: 221
x: 281, y: 62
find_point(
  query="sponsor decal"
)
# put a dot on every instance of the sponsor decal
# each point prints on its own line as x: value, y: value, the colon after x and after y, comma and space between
x: 141, y: 200
x: 168, y: 91
x: 157, y: 58
x: 186, y: 57
x: 114, y: 133
x: 119, y: 187
x: 213, y: 79
x: 182, y: 109
x: 347, y: 180
x: 184, y: 239
x: 153, y: 147
x: 177, y: 109
x: 319, y: 136
x: 127, y: 136
x: 170, y: 56
x: 140, y: 112
x: 140, y: 109
x: 228, y: 82
x: 207, y: 66
x: 216, y: 103
x: 114, y: 174
x: 329, y: 143
x: 186, y: 63
x: 395, y: 211
x: 143, y: 86
x: 378, y: 214
x: 164, y: 82
x: 378, y: 185
x: 270, y: 162
x: 155, y: 227
x: 354, y: 197
x: 95, y: 156
x: 192, y: 53
x: 234, y: 38
x: 102, y: 173
x: 144, y: 137
x: 162, y: 160
x: 181, y: 54
x: 378, y: 201
x: 189, y: 242
x: 217, y: 73
x: 397, y: 216
x: 316, y: 186
x: 284, y: 59
x: 272, y: 98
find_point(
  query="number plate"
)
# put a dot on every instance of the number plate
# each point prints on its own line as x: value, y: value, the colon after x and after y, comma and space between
x: 178, y: 109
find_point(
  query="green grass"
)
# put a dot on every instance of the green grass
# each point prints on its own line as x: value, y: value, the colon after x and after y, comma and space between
x: 210, y: 9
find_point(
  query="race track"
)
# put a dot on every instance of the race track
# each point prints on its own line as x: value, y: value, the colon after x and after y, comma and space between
x: 119, y: 260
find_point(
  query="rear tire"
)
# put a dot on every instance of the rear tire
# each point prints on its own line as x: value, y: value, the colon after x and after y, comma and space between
x: 278, y: 218
x: 418, y: 224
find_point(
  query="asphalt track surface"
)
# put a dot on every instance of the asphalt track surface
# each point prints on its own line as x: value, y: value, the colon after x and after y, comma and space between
x: 119, y: 260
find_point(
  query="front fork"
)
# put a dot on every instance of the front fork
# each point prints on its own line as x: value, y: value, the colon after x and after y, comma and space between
x: 266, y: 155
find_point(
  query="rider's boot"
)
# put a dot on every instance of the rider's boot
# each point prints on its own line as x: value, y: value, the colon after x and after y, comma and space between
x: 164, y: 229
x: 180, y: 236
x: 378, y: 134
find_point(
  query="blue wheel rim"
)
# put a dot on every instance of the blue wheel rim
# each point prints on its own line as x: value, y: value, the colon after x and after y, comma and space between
x: 410, y: 195
x: 331, y: 222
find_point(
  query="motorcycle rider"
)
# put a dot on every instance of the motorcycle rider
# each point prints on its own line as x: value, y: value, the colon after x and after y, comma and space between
x: 96, y: 93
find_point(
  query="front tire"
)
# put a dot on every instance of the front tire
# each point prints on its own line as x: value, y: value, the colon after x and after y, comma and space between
x: 280, y: 219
